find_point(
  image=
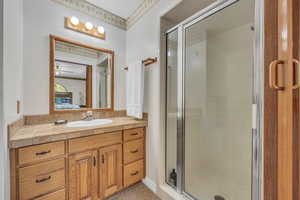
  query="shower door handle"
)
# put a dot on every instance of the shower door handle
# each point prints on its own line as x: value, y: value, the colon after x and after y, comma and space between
x: 297, y: 71
x: 273, y: 74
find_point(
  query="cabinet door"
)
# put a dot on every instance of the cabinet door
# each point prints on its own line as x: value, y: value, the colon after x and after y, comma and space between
x: 111, y: 177
x: 83, y: 183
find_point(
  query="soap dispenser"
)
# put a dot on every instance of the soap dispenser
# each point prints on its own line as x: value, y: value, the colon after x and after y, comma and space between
x: 173, y: 178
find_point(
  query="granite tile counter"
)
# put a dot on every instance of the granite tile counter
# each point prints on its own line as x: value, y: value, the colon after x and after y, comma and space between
x: 43, y: 133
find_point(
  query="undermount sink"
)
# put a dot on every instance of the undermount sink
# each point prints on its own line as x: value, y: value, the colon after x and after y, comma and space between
x: 96, y: 122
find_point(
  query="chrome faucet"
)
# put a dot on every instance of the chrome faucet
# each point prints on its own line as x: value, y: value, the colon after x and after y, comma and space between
x: 88, y: 116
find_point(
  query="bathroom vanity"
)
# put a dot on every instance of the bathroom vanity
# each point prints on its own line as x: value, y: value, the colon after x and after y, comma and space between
x: 93, y: 156
x: 51, y: 162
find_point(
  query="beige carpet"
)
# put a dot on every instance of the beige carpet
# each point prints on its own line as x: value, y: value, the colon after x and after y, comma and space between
x: 135, y: 192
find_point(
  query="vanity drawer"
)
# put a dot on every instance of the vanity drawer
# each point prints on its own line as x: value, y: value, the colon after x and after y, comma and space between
x: 132, y: 134
x: 41, y: 179
x: 40, y: 152
x: 133, y: 150
x: 133, y: 173
x: 93, y: 142
x: 59, y: 195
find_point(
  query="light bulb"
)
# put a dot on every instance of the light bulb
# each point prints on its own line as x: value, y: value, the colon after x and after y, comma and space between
x: 74, y: 21
x: 89, y: 26
x: 101, y: 30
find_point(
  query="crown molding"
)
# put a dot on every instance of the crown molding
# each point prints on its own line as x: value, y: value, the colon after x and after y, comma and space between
x: 94, y: 11
x: 106, y: 16
x: 140, y: 12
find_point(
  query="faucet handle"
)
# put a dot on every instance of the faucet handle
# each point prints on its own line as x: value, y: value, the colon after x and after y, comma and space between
x: 89, y: 113
x: 87, y: 116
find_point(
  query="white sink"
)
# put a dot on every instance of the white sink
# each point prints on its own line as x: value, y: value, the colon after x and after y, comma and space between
x: 96, y: 122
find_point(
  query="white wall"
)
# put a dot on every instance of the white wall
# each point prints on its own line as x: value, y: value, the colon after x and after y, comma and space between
x: 13, y: 57
x: 47, y: 17
x: 143, y: 41
x: 12, y: 70
x: 2, y: 160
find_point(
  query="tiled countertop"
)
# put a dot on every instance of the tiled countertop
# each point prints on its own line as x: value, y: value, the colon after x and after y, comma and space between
x: 44, y: 133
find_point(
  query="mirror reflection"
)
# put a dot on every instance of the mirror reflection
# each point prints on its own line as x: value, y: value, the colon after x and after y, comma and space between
x: 83, y: 77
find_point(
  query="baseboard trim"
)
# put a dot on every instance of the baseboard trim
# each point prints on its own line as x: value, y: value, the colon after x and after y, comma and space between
x: 150, y: 184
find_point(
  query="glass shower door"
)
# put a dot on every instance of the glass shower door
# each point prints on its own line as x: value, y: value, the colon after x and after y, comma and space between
x: 218, y: 104
x: 171, y: 108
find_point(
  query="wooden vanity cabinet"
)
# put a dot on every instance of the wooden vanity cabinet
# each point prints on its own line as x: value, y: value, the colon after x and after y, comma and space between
x: 110, y: 168
x: 85, y: 168
x: 37, y: 180
x: 83, y: 173
x: 134, y: 156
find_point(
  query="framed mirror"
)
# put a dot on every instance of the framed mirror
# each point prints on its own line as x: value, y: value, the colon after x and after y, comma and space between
x: 81, y: 77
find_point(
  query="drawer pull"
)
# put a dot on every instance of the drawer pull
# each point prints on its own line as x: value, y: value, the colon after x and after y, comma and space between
x: 134, y: 134
x: 43, y: 180
x: 135, y: 151
x: 135, y: 173
x: 43, y: 153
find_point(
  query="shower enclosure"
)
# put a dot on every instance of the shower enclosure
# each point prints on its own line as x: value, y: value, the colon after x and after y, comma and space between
x: 212, y: 99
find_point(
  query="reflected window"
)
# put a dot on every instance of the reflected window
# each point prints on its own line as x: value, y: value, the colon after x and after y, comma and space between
x: 60, y: 88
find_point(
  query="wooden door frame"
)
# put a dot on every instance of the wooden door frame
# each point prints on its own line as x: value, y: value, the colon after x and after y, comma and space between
x: 281, y: 110
x: 270, y: 101
x: 285, y: 122
x: 296, y: 102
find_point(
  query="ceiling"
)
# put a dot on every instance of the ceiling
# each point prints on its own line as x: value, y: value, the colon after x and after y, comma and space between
x: 123, y: 8
x: 186, y: 9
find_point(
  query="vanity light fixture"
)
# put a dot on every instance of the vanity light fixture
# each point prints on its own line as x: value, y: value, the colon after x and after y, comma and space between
x: 89, y: 26
x: 73, y: 23
x: 101, y: 30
